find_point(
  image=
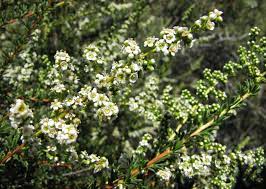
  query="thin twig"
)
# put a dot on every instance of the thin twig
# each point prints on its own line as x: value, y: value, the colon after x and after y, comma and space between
x: 10, y: 154
x: 76, y: 172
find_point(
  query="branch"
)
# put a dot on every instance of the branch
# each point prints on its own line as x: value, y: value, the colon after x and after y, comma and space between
x: 16, y: 150
x: 10, y: 154
x: 168, y: 151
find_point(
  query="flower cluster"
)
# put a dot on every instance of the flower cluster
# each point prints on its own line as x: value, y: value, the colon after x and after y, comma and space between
x: 173, y: 39
x: 146, y: 103
x: 168, y: 44
x: 62, y: 75
x: 105, y: 109
x: 19, y: 112
x: 195, y: 165
x: 20, y: 118
x: 18, y: 75
x: 214, y: 167
x: 122, y: 73
x: 252, y: 158
x: 95, y: 162
x: 131, y: 48
x: 207, y: 22
x: 119, y: 6
x: 143, y: 145
x: 64, y: 133
x: 183, y: 106
x: 62, y: 60
x: 164, y: 174
x: 91, y: 53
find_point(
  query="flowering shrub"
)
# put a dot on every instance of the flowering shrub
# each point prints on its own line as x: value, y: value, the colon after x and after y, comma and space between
x: 103, y: 113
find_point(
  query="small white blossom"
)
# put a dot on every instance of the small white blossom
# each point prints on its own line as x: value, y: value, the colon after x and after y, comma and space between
x: 168, y: 35
x: 18, y: 112
x: 133, y: 77
x: 150, y: 41
x: 93, y: 95
x: 210, y: 25
x: 135, y: 67
x: 164, y: 174
x: 91, y: 53
x: 162, y: 46
x: 173, y: 49
x: 131, y: 48
x: 55, y: 105
x: 198, y: 23
x: 62, y: 59
x: 215, y: 14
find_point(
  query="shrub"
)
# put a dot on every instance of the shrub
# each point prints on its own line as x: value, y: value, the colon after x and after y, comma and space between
x: 93, y: 105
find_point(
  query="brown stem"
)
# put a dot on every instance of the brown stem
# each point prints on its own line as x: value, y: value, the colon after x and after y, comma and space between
x: 65, y: 165
x: 157, y: 158
x: 45, y: 100
x: 136, y: 171
x: 10, y: 154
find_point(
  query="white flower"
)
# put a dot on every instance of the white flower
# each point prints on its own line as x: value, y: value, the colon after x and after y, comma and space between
x: 107, y: 111
x: 102, y: 99
x: 60, y: 87
x: 60, y: 124
x: 133, y: 105
x: 161, y: 45
x: 198, y: 22
x: 120, y: 76
x: 131, y: 48
x: 93, y: 158
x: 144, y: 143
x: 18, y: 112
x: 20, y: 109
x: 164, y: 174
x: 61, y: 137
x: 217, y: 12
x: 135, y: 67
x: 93, y: 95
x: 62, y: 60
x: 133, y: 77
x: 212, y: 15
x: 101, y: 164
x: 210, y: 25
x: 150, y: 41
x: 72, y: 136
x: 48, y: 127
x: 91, y: 53
x: 85, y: 90
x: 61, y: 56
x: 174, y: 48
x: 55, y: 105
x: 180, y: 29
x: 168, y: 35
x: 69, y: 102
x: 102, y: 80
x: 51, y: 148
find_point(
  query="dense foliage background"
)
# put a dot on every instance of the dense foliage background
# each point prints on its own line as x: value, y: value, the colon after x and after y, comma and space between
x: 31, y: 33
